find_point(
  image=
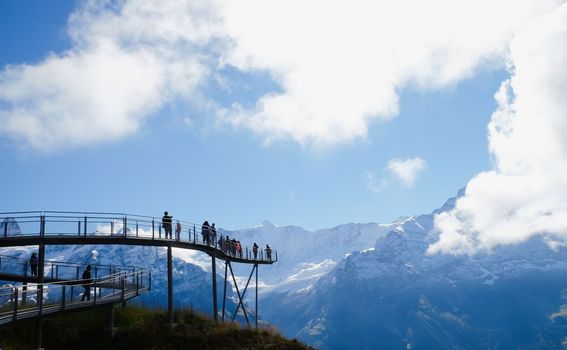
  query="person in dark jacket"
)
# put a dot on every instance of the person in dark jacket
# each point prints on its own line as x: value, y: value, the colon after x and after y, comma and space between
x: 166, y: 222
x: 255, y: 250
x: 33, y: 264
x: 205, y: 232
x: 268, y: 252
x: 87, y: 283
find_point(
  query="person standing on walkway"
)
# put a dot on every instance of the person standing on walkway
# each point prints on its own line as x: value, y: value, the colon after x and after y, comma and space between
x: 213, y: 234
x: 178, y: 230
x: 268, y: 252
x: 33, y: 264
x: 87, y: 283
x: 255, y: 250
x: 166, y: 221
x: 205, y: 232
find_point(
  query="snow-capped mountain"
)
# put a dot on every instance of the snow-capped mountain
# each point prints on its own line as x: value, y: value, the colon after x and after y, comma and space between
x: 394, y: 295
x: 368, y: 286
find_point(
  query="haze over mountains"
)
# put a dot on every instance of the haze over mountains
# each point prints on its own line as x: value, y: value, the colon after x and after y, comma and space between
x: 368, y: 286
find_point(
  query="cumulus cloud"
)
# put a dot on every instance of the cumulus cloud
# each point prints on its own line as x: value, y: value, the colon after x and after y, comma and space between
x: 525, y: 194
x: 127, y: 59
x: 339, y: 64
x: 406, y: 170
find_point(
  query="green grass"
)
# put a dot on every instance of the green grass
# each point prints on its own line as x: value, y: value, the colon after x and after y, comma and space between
x: 141, y: 328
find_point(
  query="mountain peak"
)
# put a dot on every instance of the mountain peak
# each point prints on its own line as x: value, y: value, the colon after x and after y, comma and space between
x: 267, y: 223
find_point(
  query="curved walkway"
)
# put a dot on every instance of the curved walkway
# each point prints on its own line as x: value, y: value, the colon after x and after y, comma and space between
x: 60, y: 228
x: 64, y: 296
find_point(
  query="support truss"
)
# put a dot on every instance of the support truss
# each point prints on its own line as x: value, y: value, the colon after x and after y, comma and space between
x: 228, y: 267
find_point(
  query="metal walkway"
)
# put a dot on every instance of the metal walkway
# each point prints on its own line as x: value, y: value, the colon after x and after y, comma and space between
x: 54, y: 298
x: 60, y: 228
x: 41, y: 228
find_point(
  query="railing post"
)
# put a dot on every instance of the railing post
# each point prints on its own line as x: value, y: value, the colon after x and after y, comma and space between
x: 123, y: 287
x: 42, y: 225
x: 6, y: 228
x: 194, y: 234
x: 136, y: 229
x: 63, y: 292
x: 79, y: 228
x: 94, y: 287
x: 85, y: 228
x: 137, y: 284
x: 153, y: 229
x: 125, y: 227
x: 112, y: 227
x: 14, y: 304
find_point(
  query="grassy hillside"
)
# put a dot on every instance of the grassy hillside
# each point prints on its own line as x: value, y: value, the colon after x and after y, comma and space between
x: 140, y: 328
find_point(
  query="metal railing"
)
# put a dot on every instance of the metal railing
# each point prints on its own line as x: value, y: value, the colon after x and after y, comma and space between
x: 33, y: 300
x: 94, y: 224
x: 56, y: 270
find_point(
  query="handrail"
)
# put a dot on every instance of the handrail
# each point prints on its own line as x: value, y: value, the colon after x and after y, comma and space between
x: 20, y: 302
x: 89, y: 224
x: 55, y: 270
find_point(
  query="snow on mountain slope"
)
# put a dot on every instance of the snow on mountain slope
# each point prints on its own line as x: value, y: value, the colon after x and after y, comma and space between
x: 304, y: 256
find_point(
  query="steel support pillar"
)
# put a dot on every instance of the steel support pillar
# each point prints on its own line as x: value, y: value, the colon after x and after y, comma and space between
x: 256, y: 265
x: 169, y: 286
x: 215, y: 307
x: 40, y: 279
x: 111, y: 330
x: 224, y: 293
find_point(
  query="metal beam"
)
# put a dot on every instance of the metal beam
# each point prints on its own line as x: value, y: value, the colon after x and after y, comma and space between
x: 241, y: 302
x: 215, y: 308
x: 226, y: 263
x: 256, y: 296
x: 169, y: 286
x: 239, y: 297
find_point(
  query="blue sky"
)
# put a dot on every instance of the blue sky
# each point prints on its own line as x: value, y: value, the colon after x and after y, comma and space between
x: 182, y: 157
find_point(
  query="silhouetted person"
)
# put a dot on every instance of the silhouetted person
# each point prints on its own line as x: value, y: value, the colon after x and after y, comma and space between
x: 238, y: 249
x: 178, y: 230
x: 255, y: 250
x: 221, y: 243
x: 166, y: 223
x: 268, y: 252
x: 205, y: 232
x: 213, y: 234
x: 33, y: 264
x: 87, y: 283
x: 233, y: 247
x: 226, y: 245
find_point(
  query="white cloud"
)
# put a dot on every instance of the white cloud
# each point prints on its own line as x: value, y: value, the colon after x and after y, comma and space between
x: 525, y: 194
x: 406, y: 170
x: 339, y: 64
x: 126, y: 61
